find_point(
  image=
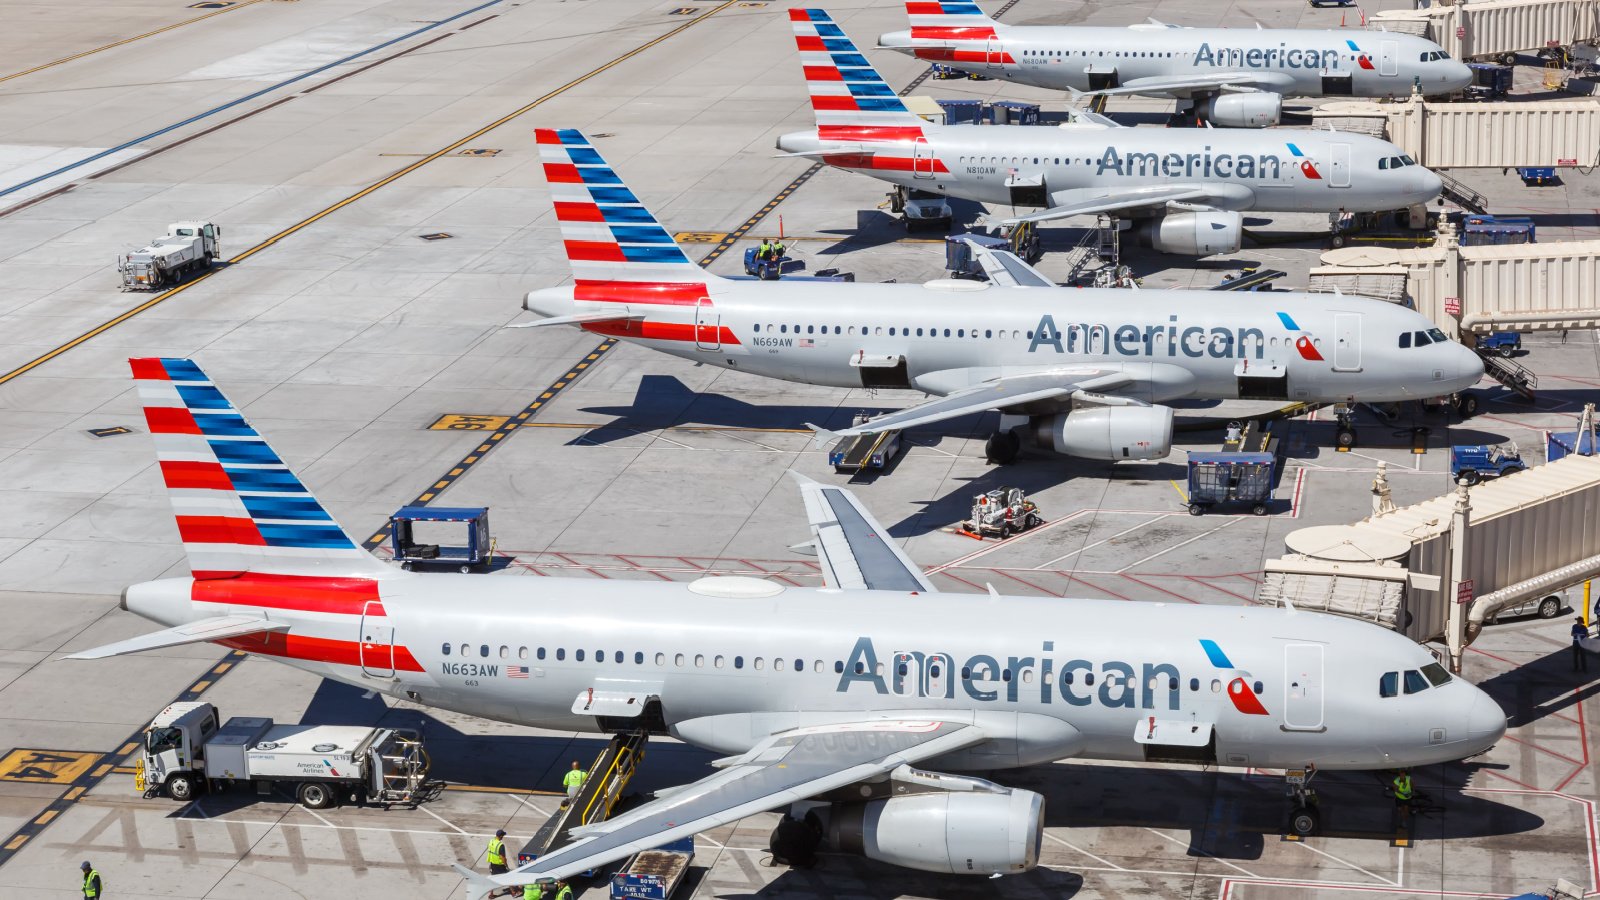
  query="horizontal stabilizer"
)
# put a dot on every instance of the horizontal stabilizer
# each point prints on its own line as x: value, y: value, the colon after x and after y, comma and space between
x: 587, y: 318
x: 213, y: 629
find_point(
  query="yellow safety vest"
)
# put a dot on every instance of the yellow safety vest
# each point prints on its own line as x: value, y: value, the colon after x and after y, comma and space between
x: 573, y: 778
x: 532, y: 892
x: 89, y: 890
x: 1402, y: 787
x: 565, y: 893
x: 497, y: 852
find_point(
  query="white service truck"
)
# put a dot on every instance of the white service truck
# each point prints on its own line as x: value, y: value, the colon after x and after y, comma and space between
x: 186, y: 752
x: 187, y: 247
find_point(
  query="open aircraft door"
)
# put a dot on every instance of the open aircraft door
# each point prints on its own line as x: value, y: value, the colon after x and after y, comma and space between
x: 707, y: 325
x: 921, y: 159
x: 377, y: 641
x: 1302, y: 687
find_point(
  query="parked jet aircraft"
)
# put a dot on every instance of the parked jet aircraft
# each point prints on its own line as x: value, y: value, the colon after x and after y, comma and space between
x: 829, y: 695
x: 1184, y: 186
x: 1085, y: 365
x: 1232, y: 76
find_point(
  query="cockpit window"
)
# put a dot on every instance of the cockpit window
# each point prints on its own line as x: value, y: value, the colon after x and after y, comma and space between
x: 1415, y: 683
x: 1437, y: 335
x: 1408, y: 160
x: 1435, y: 674
x: 1422, y: 339
x: 1389, y: 684
x: 1405, y: 340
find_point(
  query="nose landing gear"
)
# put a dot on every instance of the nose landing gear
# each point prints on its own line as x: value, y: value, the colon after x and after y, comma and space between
x: 1305, y: 817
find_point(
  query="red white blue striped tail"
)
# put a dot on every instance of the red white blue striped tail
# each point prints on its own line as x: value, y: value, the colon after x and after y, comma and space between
x: 850, y: 99
x: 239, y: 508
x: 609, y: 235
x: 948, y: 20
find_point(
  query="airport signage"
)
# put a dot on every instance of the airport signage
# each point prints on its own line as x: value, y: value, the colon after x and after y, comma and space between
x: 1452, y: 306
x: 1464, y: 592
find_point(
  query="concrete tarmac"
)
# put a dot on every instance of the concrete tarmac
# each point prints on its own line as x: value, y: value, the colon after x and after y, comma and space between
x: 326, y: 152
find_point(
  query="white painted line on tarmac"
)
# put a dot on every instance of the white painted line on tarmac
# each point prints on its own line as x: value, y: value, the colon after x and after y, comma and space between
x: 1233, y: 521
x: 1192, y: 849
x: 1071, y: 846
x: 1346, y: 862
x: 1143, y: 524
x: 440, y: 818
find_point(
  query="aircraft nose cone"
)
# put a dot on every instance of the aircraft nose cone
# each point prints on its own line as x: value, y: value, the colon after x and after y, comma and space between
x: 1459, y: 77
x: 895, y: 40
x: 1471, y: 368
x: 1428, y: 184
x: 1486, y: 721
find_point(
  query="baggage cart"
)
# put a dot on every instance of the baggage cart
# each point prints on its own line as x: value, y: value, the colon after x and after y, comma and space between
x: 1230, y: 478
x: 653, y: 874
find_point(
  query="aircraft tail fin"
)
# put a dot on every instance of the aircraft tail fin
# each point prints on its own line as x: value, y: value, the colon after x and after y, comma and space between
x: 850, y: 99
x: 617, y: 248
x: 239, y: 507
x: 949, y: 20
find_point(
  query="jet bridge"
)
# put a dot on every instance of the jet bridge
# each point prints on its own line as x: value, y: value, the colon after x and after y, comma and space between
x: 1437, y: 570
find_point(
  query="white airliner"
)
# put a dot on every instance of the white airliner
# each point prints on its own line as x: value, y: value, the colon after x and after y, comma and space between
x: 1090, y: 368
x: 1232, y: 76
x: 1185, y: 187
x: 834, y: 692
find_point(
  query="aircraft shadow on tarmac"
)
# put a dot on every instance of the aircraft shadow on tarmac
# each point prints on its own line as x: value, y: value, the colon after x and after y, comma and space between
x: 663, y: 401
x: 1546, y: 686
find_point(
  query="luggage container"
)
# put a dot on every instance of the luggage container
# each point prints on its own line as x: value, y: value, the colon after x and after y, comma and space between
x: 1013, y: 112
x: 653, y: 874
x: 1481, y: 231
x: 1230, y: 478
x: 1493, y: 78
x: 1537, y: 176
x: 962, y: 112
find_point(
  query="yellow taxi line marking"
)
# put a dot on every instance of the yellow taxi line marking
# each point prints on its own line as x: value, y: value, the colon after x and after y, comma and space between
x: 45, y: 819
x: 75, y: 793
x: 326, y: 211
x: 138, y: 37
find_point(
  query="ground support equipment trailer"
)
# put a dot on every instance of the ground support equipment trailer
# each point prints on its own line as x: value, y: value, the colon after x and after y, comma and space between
x: 187, y: 247
x: 185, y: 752
x: 653, y: 874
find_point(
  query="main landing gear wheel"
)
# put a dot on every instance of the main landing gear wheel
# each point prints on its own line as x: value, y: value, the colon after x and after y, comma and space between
x: 1303, y: 820
x: 1002, y: 447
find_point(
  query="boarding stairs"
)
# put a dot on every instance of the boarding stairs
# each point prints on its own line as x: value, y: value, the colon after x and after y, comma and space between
x: 602, y: 788
x: 1251, y: 279
x: 1465, y: 197
x: 1519, y: 378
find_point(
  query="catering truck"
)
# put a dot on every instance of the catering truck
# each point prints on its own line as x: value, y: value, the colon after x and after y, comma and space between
x: 187, y: 752
x: 186, y: 247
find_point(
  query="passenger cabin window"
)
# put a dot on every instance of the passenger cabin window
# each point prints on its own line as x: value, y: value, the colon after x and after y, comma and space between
x: 1415, y: 683
x: 1389, y: 684
x: 1435, y: 674
x: 446, y: 650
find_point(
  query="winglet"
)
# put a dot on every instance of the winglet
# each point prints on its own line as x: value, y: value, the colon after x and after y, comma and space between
x: 478, y: 886
x: 820, y: 437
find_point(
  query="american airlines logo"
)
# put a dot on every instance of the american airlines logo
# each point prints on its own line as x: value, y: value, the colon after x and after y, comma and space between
x: 1172, y: 340
x: 1134, y: 163
x: 1280, y: 57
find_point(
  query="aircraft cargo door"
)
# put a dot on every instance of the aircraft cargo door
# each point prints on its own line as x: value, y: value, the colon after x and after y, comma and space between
x: 377, y: 641
x: 1302, y: 687
x: 707, y: 326
x: 1347, y: 342
x: 1339, y: 177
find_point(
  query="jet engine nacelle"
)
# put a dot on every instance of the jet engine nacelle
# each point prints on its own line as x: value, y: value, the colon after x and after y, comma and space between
x: 1252, y: 110
x: 1199, y: 233
x: 948, y: 833
x: 1108, y: 432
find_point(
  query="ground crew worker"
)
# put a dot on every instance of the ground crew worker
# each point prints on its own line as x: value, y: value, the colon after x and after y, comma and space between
x: 563, y: 890
x: 533, y: 891
x: 777, y: 250
x: 497, y: 858
x: 1402, y: 795
x: 1580, y: 660
x: 764, y: 252
x: 91, y: 881
x: 573, y: 782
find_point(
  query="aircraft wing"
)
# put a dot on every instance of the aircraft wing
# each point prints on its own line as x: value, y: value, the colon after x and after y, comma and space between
x: 1006, y: 269
x: 1210, y: 81
x: 855, y: 551
x: 1012, y: 390
x: 1088, y: 201
x: 786, y: 767
x: 213, y: 629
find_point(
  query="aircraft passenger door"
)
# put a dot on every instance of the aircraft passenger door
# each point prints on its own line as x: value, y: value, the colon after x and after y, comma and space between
x: 907, y: 675
x: 1388, y: 57
x: 1339, y: 176
x: 1302, y: 687
x: 936, y: 681
x: 1347, y: 342
x: 707, y: 326
x: 995, y: 55
x: 377, y: 641
x: 921, y: 159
